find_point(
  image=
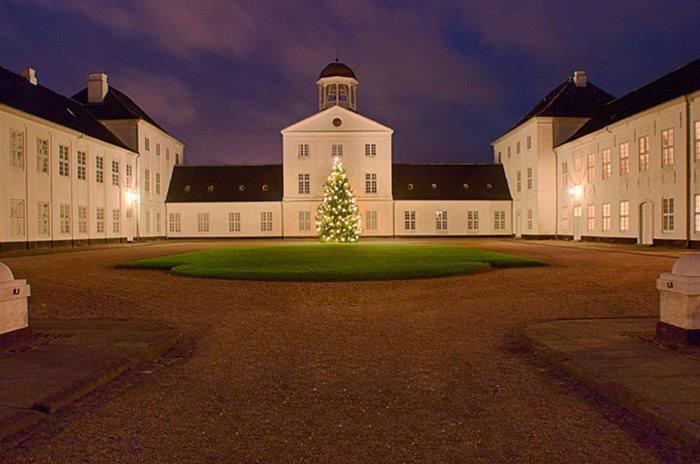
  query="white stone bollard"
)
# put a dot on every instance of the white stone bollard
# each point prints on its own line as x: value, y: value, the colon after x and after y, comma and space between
x: 14, y: 313
x: 680, y: 301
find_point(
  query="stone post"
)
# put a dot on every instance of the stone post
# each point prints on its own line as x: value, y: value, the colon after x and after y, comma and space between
x: 680, y: 302
x: 14, y: 313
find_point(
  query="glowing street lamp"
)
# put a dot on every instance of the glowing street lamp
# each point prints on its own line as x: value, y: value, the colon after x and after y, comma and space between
x: 576, y: 191
x: 131, y: 198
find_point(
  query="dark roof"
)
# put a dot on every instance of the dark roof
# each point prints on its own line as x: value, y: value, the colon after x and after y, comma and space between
x: 450, y: 181
x: 116, y: 105
x: 568, y: 100
x: 337, y: 68
x: 17, y: 92
x: 260, y: 183
x: 682, y: 81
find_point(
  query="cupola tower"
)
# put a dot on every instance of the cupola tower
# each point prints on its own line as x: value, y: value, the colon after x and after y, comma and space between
x: 337, y: 85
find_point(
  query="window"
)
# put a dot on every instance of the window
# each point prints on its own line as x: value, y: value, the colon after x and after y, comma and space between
x: 81, y: 171
x: 266, y: 221
x: 624, y: 216
x: 667, y: 147
x: 697, y: 140
x: 158, y: 149
x: 100, y: 220
x: 577, y: 211
x: 565, y: 218
x: 529, y: 219
x: 498, y: 158
x: 129, y: 175
x: 508, y: 152
x: 529, y: 178
x: 371, y: 218
x: 16, y: 149
x: 441, y: 220
x: 304, y: 184
x: 116, y: 221
x: 591, y: 217
x: 158, y: 222
x: 499, y: 220
x: 577, y: 165
x: 668, y: 213
x: 147, y: 180
x: 644, y: 153
x: 42, y: 155
x: 234, y: 222
x: 63, y: 161
x: 337, y: 150
x: 472, y: 220
x: 370, y: 183
x: 42, y: 218
x: 17, y: 218
x: 697, y: 213
x: 157, y: 182
x: 304, y: 221
x: 607, y: 163
x: 178, y: 159
x: 529, y: 142
x: 167, y: 154
x: 409, y: 218
x: 65, y: 218
x: 564, y: 174
x: 518, y: 179
x: 517, y: 147
x: 371, y: 149
x: 591, y: 167
x: 606, y: 217
x: 202, y: 222
x: 147, y: 144
x: 99, y: 169
x: 115, y: 172
x: 147, y: 222
x: 624, y: 158
x: 303, y: 150
x: 174, y: 222
x: 82, y: 220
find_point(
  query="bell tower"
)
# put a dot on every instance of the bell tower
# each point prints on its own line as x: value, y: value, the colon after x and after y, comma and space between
x: 337, y: 85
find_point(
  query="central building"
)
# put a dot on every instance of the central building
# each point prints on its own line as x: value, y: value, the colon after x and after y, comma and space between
x: 393, y: 199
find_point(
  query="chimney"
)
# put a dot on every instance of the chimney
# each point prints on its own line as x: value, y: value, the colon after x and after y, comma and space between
x: 30, y: 75
x: 97, y: 87
x: 580, y: 78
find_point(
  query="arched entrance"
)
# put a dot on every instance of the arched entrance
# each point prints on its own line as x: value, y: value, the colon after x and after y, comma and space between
x: 646, y: 223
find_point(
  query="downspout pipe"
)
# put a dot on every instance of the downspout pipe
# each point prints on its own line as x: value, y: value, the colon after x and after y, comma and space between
x: 688, y: 177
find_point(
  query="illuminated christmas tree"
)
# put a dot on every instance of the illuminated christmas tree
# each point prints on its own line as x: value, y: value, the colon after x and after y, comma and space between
x: 337, y: 219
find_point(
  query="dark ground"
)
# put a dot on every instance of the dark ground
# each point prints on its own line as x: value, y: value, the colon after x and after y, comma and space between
x: 403, y: 371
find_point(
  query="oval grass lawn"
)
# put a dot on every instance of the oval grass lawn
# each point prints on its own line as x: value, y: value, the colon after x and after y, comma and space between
x: 333, y: 262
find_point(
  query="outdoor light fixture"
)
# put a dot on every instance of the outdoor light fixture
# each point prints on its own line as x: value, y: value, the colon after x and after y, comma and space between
x: 576, y: 191
x: 131, y: 197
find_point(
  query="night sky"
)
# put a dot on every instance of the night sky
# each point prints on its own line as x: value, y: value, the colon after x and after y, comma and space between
x: 447, y: 76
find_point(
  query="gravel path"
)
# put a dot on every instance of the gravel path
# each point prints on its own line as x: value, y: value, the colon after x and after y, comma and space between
x: 406, y: 371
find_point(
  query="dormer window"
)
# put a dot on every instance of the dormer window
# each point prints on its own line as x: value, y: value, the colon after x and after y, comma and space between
x: 241, y: 188
x: 409, y: 186
x: 210, y: 188
x: 433, y: 186
x: 465, y: 186
x: 265, y: 188
x: 188, y: 188
x: 488, y: 186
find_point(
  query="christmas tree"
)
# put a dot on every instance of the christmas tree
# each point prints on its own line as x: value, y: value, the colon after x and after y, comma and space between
x: 337, y: 219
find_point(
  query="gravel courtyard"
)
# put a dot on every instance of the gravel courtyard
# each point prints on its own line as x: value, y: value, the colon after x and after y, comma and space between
x: 402, y: 371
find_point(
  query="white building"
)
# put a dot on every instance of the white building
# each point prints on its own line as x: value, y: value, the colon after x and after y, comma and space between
x: 584, y: 165
x: 79, y: 170
x: 393, y: 199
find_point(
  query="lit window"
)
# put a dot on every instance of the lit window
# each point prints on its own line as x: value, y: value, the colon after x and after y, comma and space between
x: 304, y: 184
x: 174, y: 222
x: 82, y: 220
x: 441, y: 220
x: 304, y: 221
x: 370, y: 183
x: 565, y: 218
x: 16, y: 149
x: 591, y: 217
x: 99, y: 169
x: 667, y: 147
x: 409, y: 220
x: 100, y: 220
x: 266, y: 221
x: 371, y: 149
x: 81, y: 170
x: 42, y: 217
x: 202, y: 222
x: 17, y: 224
x: 624, y: 158
x: 371, y: 219
x: 303, y: 150
x: 63, y: 161
x: 644, y: 153
x: 42, y: 155
x: 499, y: 220
x: 64, y: 217
x: 624, y: 216
x: 577, y: 211
x: 116, y: 221
x: 606, y: 217
x: 668, y: 214
x: 591, y: 167
x: 607, y: 163
x: 115, y: 172
x: 529, y: 178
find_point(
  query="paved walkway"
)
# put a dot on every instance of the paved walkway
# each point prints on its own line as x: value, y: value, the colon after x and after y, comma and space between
x: 620, y: 360
x: 67, y: 359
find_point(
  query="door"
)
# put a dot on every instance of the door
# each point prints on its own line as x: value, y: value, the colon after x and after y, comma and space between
x: 646, y: 223
x: 518, y: 224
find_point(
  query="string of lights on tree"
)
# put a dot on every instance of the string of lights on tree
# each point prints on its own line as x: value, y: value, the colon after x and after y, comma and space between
x: 338, y: 219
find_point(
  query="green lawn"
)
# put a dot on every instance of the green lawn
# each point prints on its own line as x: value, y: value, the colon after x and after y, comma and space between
x: 333, y: 262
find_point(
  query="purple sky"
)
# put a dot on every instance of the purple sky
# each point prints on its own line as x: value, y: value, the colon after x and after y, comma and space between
x: 449, y: 76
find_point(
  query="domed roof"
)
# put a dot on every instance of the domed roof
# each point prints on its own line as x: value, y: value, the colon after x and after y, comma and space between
x: 337, y: 69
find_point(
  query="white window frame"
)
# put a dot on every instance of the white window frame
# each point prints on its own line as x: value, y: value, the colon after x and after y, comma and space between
x: 409, y: 220
x: 42, y: 155
x: 530, y: 219
x: 202, y: 222
x: 667, y: 142
x: 65, y: 218
x: 303, y: 150
x: 590, y: 167
x: 499, y: 220
x: 472, y: 220
x: 116, y: 221
x: 100, y: 220
x: 43, y: 216
x: 370, y: 183
x: 644, y: 155
x: 99, y: 169
x: 590, y: 218
x: 64, y: 160
x: 234, y: 221
x: 606, y: 213
x: 17, y: 149
x: 304, y: 184
x: 371, y: 220
x: 147, y: 180
x: 266, y: 221
x: 624, y: 216
x: 606, y: 155
x: 668, y: 215
x: 624, y: 158
x: 174, y: 222
x: 441, y: 223
x: 82, y: 219
x: 337, y: 150
x: 18, y: 213
x: 370, y: 150
x: 304, y: 221
x: 81, y: 165
x: 115, y: 172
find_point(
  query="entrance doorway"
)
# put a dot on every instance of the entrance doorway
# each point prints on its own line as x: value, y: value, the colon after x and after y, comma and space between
x: 646, y: 223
